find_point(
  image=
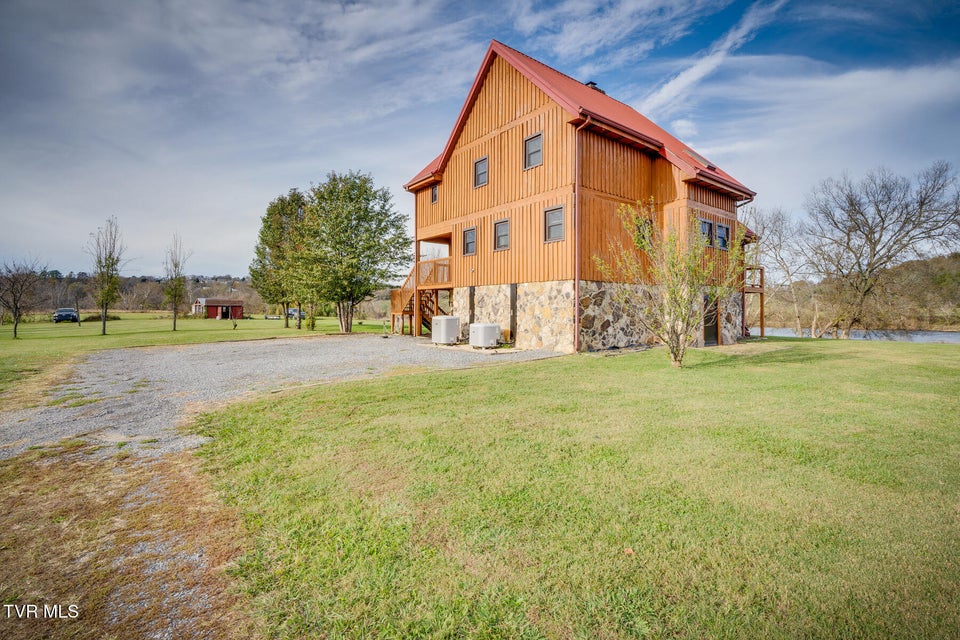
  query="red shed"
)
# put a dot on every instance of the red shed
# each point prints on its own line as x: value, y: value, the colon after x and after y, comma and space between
x: 219, y: 308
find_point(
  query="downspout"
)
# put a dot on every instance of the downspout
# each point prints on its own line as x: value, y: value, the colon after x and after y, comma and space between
x: 576, y: 237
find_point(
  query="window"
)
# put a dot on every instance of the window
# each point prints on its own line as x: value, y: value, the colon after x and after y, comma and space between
x: 533, y: 151
x: 553, y: 224
x: 470, y: 241
x: 706, y: 230
x: 434, y: 194
x: 480, y: 172
x: 723, y: 236
x: 501, y: 235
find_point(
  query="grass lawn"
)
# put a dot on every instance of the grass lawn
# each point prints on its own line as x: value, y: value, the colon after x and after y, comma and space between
x: 789, y: 488
x: 44, y: 351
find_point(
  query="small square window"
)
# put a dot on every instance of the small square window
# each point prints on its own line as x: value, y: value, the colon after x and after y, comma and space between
x: 723, y: 237
x: 470, y: 241
x: 480, y: 172
x: 501, y: 235
x: 706, y: 230
x: 533, y: 151
x: 434, y: 194
x: 553, y: 224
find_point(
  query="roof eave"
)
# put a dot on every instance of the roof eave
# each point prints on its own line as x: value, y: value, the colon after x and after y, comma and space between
x: 419, y: 183
x: 637, y: 138
x: 738, y: 191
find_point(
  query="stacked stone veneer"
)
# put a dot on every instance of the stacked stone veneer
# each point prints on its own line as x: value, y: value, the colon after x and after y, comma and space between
x: 461, y: 309
x: 545, y: 315
x: 606, y: 321
x: 731, y: 319
x: 491, y: 303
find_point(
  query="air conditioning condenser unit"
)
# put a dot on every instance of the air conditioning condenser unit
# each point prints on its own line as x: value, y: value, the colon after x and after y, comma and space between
x: 445, y: 329
x: 484, y: 334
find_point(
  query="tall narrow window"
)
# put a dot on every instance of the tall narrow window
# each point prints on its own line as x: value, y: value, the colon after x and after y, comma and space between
x: 723, y: 237
x: 480, y: 172
x: 470, y: 241
x: 706, y: 230
x: 533, y: 151
x: 434, y: 194
x: 553, y: 224
x: 501, y: 235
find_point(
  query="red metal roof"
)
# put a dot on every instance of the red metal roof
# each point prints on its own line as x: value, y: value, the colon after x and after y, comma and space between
x: 604, y: 113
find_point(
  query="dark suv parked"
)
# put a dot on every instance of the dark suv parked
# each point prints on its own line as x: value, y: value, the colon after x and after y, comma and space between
x: 65, y: 315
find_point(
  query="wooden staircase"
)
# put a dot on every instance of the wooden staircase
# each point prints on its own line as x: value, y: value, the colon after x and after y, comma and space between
x: 402, y: 305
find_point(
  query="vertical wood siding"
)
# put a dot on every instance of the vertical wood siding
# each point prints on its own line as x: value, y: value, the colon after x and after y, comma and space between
x: 508, y: 109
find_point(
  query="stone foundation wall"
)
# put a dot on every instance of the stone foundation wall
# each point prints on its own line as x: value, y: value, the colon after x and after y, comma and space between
x: 461, y: 309
x: 545, y: 315
x: 731, y: 319
x: 491, y: 303
x: 605, y: 321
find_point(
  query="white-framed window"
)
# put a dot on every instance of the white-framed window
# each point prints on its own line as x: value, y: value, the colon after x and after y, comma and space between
x: 533, y: 151
x: 501, y: 235
x: 481, y: 172
x: 470, y: 241
x: 553, y: 224
x: 434, y: 194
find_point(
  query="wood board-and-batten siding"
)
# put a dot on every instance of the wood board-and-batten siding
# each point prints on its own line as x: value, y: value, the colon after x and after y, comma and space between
x: 612, y: 174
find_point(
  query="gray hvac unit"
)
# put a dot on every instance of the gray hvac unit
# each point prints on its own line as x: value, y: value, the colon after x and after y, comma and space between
x: 445, y: 329
x: 484, y: 334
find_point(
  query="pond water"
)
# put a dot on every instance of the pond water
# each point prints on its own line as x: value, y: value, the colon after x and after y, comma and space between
x: 952, y: 337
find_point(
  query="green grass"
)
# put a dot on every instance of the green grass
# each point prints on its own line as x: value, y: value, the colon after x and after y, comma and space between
x: 781, y: 489
x: 43, y: 345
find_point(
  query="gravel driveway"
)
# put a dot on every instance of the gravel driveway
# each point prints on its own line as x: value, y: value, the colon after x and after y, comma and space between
x: 140, y: 396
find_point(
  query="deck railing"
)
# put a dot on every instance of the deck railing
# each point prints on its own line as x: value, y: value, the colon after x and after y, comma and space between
x: 753, y: 279
x: 400, y: 298
x: 434, y: 273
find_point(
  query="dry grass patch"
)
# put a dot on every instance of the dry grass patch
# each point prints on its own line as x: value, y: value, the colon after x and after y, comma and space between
x: 139, y: 548
x: 34, y: 387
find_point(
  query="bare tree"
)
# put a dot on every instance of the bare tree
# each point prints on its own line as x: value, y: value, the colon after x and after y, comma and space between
x: 18, y: 282
x: 107, y: 249
x: 175, y: 288
x: 780, y: 250
x: 679, y: 272
x: 856, y: 231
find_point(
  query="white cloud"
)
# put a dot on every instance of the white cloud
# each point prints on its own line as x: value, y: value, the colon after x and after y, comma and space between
x: 783, y: 132
x: 684, y: 128
x: 621, y: 30
x: 666, y: 99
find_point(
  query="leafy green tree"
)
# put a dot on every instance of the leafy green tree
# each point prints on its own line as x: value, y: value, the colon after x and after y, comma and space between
x: 107, y: 249
x: 354, y: 241
x: 175, y: 286
x: 678, y: 272
x: 273, y: 270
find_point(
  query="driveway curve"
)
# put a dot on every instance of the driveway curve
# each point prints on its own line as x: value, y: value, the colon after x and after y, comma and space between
x: 137, y: 398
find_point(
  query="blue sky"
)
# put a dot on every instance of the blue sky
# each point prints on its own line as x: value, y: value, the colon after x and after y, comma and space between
x: 189, y: 116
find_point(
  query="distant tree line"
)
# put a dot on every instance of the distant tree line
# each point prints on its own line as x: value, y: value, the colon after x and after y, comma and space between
x: 875, y: 253
x: 27, y: 286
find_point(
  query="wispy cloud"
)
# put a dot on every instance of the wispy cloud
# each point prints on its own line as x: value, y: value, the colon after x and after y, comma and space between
x: 790, y: 127
x: 666, y: 99
x: 622, y: 31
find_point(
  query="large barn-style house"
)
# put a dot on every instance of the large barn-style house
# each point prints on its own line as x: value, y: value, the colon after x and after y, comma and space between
x: 511, y: 214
